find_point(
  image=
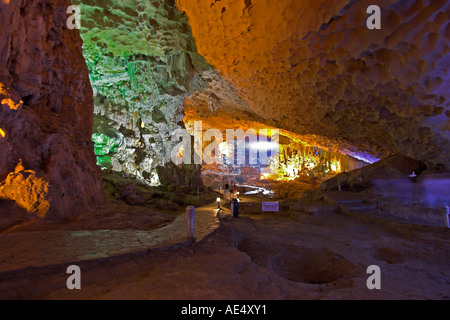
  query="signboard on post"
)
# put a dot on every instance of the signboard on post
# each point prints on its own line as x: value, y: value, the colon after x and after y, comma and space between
x: 270, y: 206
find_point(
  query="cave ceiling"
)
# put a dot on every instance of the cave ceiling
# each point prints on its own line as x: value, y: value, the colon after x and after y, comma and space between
x: 311, y: 69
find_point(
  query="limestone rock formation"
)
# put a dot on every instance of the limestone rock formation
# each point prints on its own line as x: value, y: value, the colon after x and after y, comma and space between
x: 142, y: 60
x: 129, y: 195
x: 46, y: 111
x: 27, y: 190
x: 143, y: 69
x: 313, y: 69
x: 394, y: 168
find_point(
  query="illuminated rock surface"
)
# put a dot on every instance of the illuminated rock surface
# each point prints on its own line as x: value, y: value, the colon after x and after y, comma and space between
x: 314, y: 69
x: 392, y: 168
x: 114, y: 93
x: 46, y: 111
x: 142, y: 60
x: 310, y: 69
x: 27, y: 190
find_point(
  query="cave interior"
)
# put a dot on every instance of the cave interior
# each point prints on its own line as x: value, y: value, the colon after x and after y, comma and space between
x: 120, y: 114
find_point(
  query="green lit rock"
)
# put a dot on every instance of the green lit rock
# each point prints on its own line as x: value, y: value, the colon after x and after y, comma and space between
x: 104, y: 145
x: 141, y: 58
x: 104, y: 162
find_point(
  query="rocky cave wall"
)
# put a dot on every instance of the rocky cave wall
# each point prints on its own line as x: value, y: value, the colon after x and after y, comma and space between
x: 309, y: 68
x: 149, y: 80
x: 142, y: 62
x: 313, y: 69
x: 47, y: 160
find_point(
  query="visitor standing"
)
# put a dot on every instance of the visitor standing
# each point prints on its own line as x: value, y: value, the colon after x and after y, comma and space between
x: 227, y: 191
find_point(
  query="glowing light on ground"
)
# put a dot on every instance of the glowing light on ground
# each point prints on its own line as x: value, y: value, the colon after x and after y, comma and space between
x: 2, y: 133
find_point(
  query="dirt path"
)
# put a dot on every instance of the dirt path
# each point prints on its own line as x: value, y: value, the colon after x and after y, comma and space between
x: 322, y: 256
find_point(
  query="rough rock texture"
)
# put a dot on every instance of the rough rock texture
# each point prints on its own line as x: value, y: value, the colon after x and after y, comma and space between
x: 421, y: 200
x: 394, y: 167
x: 313, y: 69
x: 298, y: 264
x: 27, y: 190
x: 129, y: 195
x: 142, y: 59
x: 46, y: 111
x: 413, y: 260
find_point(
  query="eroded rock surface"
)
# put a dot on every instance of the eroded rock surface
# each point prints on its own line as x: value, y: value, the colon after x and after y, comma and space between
x: 142, y: 62
x: 392, y: 168
x: 27, y: 190
x: 313, y: 69
x: 46, y: 110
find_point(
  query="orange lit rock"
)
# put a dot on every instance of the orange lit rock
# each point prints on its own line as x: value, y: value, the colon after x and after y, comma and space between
x: 46, y: 111
x: 11, y: 104
x: 9, y: 98
x: 313, y: 69
x: 27, y: 190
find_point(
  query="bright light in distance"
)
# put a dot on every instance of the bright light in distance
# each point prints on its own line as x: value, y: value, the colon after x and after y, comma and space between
x: 264, y: 145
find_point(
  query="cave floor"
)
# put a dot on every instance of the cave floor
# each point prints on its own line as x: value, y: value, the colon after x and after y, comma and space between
x: 32, y: 246
x: 290, y: 255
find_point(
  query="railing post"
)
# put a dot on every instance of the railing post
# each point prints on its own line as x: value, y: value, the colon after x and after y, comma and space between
x: 190, y: 215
